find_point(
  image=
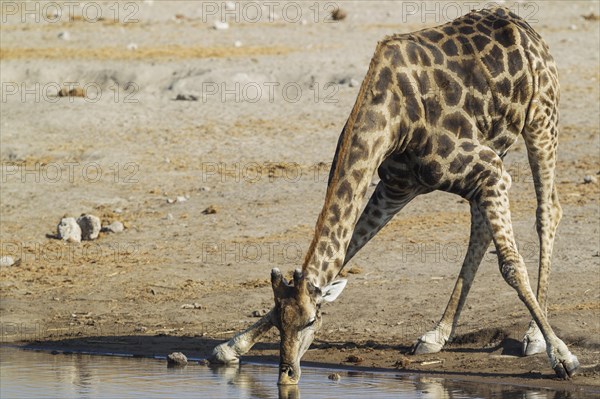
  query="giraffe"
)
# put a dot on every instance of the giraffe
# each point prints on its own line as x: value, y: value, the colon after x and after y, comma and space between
x: 437, y: 110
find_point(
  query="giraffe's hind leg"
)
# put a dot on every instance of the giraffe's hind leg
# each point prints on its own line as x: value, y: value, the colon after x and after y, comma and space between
x: 434, y: 340
x: 541, y: 142
x: 494, y: 204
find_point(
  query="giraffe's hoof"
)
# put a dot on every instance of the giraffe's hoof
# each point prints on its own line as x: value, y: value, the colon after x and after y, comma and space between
x: 565, y: 369
x: 429, y: 343
x: 223, y: 354
x: 533, y: 341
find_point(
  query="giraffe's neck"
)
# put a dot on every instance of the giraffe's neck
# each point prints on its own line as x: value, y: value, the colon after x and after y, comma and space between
x: 365, y: 141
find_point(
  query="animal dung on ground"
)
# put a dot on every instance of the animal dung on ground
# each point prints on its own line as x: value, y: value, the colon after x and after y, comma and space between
x: 90, y: 226
x: 338, y: 14
x: 68, y: 230
x: 74, y: 92
x: 176, y: 359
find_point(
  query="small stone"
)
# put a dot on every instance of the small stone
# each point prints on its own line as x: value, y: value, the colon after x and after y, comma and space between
x: 176, y: 359
x: 220, y: 25
x: 573, y: 27
x: 6, y: 261
x: 230, y: 6
x: 237, y: 43
x: 204, y: 188
x: 402, y: 363
x: 169, y: 216
x: 590, y: 179
x: 170, y: 201
x: 65, y: 35
x: 118, y: 210
x: 68, y: 230
x: 181, y: 198
x: 132, y: 46
x: 203, y: 362
x: 114, y: 227
x: 353, y: 83
x: 535, y: 372
x: 338, y: 14
x: 354, y: 359
x: 334, y: 377
x: 186, y: 97
x: 259, y: 313
x: 90, y: 226
x: 194, y: 305
x: 210, y: 210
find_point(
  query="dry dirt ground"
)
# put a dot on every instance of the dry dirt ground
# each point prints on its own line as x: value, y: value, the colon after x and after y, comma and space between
x: 256, y: 146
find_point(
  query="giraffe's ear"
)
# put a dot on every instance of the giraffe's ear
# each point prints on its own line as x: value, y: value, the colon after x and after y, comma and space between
x: 333, y: 290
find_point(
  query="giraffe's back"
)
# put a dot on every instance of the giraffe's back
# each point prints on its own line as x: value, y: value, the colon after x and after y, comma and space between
x: 474, y: 77
x: 471, y: 82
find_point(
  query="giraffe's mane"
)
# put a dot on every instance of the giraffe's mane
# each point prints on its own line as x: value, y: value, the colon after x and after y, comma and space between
x: 341, y: 151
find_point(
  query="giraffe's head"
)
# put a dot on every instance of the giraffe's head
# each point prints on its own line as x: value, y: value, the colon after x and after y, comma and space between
x: 297, y: 315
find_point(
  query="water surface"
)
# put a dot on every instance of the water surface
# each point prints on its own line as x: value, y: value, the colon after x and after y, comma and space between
x: 35, y: 374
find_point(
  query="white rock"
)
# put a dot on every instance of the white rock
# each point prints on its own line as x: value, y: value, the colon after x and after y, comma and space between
x: 90, y: 227
x: 114, y: 227
x: 132, y: 46
x: 237, y: 43
x: 169, y: 216
x: 69, y: 230
x: 589, y: 179
x: 6, y: 261
x: 220, y: 25
x: 64, y: 35
x: 353, y: 83
x: 181, y: 198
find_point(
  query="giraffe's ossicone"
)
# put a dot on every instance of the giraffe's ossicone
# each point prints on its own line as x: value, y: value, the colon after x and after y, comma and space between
x: 438, y: 110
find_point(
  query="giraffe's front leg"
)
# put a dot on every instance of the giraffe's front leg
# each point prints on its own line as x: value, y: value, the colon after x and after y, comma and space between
x: 229, y: 352
x: 433, y: 341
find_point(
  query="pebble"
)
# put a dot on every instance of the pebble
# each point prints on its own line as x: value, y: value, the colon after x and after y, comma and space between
x: 237, y: 43
x: 590, y: 179
x: 230, y: 6
x: 169, y: 216
x: 132, y: 46
x: 259, y: 313
x: 118, y: 210
x: 6, y: 261
x: 219, y: 25
x: 210, y: 210
x: 114, y: 227
x: 65, y: 35
x: 176, y: 359
x: 334, y: 377
x: 353, y: 83
x: 90, y: 226
x: 181, y: 198
x: 186, y: 97
x: 194, y: 305
x: 203, y: 362
x: 68, y: 230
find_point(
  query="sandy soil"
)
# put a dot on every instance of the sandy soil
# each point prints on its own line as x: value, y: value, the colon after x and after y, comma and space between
x: 259, y: 153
